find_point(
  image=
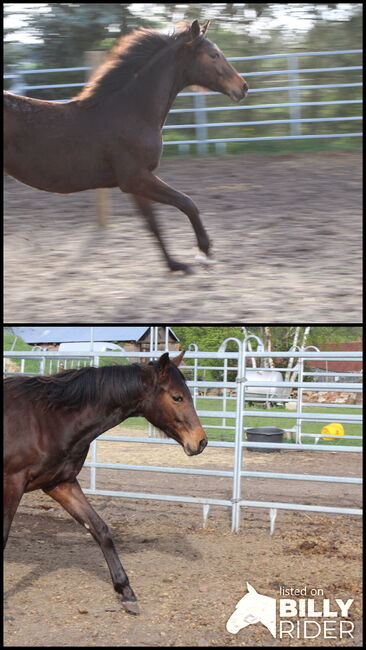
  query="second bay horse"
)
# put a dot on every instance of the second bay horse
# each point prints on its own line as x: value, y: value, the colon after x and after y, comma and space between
x: 110, y: 134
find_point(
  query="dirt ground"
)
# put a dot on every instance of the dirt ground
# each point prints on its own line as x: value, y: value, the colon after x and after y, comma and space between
x: 187, y: 578
x: 285, y: 229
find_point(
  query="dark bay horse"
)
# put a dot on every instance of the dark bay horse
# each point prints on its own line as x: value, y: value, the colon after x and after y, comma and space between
x: 110, y: 134
x: 51, y: 421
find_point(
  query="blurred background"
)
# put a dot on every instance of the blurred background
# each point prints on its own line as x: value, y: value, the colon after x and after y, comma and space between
x: 302, y: 62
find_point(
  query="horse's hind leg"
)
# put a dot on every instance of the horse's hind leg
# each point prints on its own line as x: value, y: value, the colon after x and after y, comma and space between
x: 72, y: 498
x: 146, y: 209
x: 13, y: 492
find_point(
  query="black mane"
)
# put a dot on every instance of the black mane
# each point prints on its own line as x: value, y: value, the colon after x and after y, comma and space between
x: 109, y: 385
x: 130, y: 54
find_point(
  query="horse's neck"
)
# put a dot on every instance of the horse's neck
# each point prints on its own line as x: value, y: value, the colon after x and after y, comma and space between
x: 158, y: 86
x: 97, y: 419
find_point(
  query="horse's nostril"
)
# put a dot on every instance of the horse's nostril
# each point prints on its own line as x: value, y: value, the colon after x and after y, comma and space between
x: 203, y: 444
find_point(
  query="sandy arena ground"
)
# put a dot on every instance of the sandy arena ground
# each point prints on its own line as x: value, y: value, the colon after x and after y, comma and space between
x: 286, y: 231
x: 187, y: 578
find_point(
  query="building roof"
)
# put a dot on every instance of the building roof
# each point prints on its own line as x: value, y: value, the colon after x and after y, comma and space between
x: 51, y: 334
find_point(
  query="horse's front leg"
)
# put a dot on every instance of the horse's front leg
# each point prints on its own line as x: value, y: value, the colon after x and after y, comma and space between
x: 72, y: 498
x: 13, y: 492
x: 146, y: 185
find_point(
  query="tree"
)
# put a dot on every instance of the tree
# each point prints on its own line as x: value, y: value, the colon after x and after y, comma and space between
x: 275, y: 337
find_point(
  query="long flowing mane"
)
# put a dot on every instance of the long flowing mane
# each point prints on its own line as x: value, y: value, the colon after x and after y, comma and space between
x: 109, y: 385
x: 130, y: 54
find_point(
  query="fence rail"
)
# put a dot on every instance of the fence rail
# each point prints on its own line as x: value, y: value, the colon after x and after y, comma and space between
x: 201, y: 110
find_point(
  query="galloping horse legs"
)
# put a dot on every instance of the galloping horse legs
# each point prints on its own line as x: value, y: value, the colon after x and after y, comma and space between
x: 13, y: 492
x: 146, y: 209
x: 72, y: 498
x: 151, y: 187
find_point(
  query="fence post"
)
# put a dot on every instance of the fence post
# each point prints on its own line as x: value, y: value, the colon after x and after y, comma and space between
x: 293, y: 94
x: 224, y: 399
x: 200, y: 118
x: 300, y: 378
x: 154, y: 432
x: 194, y: 347
x: 238, y: 450
x: 94, y: 59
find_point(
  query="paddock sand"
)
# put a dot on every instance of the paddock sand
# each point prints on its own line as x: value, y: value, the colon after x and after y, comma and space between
x: 188, y: 579
x: 286, y: 234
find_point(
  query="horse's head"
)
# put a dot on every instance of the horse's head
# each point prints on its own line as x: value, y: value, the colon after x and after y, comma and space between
x: 208, y: 66
x: 170, y: 406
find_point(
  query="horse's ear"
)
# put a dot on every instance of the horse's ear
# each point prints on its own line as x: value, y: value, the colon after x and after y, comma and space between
x: 164, y: 361
x: 195, y: 30
x: 251, y: 589
x: 205, y: 27
x: 163, y: 364
x: 178, y: 360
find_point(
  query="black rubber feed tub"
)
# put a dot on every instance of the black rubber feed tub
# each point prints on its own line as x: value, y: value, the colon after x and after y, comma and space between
x: 264, y: 434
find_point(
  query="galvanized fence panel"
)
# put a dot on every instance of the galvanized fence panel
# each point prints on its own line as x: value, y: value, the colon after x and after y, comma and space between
x: 200, y: 110
x: 240, y: 386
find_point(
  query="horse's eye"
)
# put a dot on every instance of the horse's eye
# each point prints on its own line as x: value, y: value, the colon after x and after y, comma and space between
x: 177, y: 398
x: 214, y: 56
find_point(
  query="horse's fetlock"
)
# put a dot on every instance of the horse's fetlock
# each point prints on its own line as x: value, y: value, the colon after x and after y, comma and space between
x: 123, y: 588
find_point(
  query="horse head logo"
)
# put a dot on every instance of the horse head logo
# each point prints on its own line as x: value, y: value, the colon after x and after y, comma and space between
x: 253, y: 608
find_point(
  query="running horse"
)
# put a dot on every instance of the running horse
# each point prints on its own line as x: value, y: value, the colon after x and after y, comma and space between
x: 109, y: 135
x: 50, y: 422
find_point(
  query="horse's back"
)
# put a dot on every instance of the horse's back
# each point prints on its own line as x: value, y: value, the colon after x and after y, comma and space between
x: 56, y: 147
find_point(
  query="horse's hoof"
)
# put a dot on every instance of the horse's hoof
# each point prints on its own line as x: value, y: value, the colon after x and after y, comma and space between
x: 204, y: 259
x: 182, y: 268
x: 131, y: 606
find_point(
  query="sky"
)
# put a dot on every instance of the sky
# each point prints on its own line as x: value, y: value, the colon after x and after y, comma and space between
x: 15, y: 19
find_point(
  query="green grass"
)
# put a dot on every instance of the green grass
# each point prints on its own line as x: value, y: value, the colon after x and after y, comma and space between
x: 30, y: 366
x: 135, y: 423
x: 19, y: 345
x: 266, y: 147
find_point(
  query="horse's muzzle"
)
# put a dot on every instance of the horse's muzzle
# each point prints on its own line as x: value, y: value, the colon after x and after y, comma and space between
x: 238, y: 94
x: 193, y: 452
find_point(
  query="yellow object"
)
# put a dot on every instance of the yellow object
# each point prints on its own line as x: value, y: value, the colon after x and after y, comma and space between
x: 333, y: 429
